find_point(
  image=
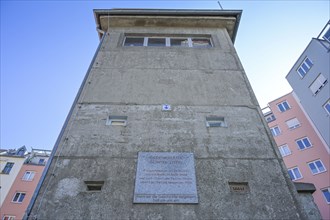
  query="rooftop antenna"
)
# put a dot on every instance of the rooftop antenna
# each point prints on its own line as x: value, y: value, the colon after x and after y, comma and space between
x: 220, y: 5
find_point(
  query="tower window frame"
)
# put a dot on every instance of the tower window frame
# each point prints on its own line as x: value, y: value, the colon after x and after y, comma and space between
x: 191, y: 41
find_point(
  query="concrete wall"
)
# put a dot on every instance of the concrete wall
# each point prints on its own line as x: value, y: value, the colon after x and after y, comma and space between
x: 197, y: 83
x: 313, y: 104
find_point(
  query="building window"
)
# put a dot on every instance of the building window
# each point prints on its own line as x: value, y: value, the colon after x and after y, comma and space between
x: 293, y: 123
x: 42, y: 161
x: 7, y: 168
x: 19, y: 197
x: 317, y: 167
x: 270, y: 118
x: 285, y: 150
x: 326, y: 194
x: 294, y: 173
x: 326, y: 36
x: 8, y: 217
x: 283, y: 106
x: 117, y: 120
x: 28, y: 176
x: 303, y: 143
x: 275, y: 131
x: 318, y: 84
x: 304, y: 67
x: 166, y: 41
x: 215, y: 121
x: 326, y: 106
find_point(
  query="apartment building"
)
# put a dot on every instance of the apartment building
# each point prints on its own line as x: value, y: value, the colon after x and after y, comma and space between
x: 24, y: 185
x: 304, y: 153
x: 11, y: 162
x: 309, y: 79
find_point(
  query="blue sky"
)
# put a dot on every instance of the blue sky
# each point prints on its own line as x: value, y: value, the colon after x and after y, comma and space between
x: 47, y: 46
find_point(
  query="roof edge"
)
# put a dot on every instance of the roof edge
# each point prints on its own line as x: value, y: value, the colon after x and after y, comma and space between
x: 169, y: 12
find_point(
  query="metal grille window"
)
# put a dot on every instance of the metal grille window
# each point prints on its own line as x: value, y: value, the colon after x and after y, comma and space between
x: 7, y: 168
x: 116, y: 120
x: 304, y: 67
x: 316, y: 167
x: 215, y: 121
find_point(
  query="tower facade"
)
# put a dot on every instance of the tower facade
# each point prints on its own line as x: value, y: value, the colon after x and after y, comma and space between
x: 166, y: 126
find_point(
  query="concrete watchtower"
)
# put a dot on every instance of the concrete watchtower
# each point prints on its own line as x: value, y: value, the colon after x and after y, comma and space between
x: 166, y: 126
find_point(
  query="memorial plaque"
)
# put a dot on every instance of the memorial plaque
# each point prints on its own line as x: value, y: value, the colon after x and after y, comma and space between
x: 164, y: 177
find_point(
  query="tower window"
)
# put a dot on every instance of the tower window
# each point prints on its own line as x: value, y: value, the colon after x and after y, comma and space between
x: 134, y: 41
x: 179, y: 42
x: 156, y: 42
x: 167, y: 41
x: 117, y: 120
x: 201, y: 42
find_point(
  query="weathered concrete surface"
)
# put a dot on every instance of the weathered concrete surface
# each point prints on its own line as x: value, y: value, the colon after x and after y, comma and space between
x: 197, y: 83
